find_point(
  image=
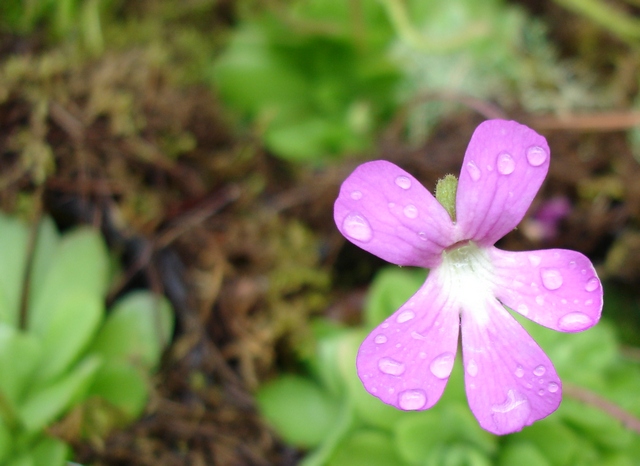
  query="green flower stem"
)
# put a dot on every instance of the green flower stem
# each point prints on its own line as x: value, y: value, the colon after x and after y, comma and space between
x: 344, y: 423
x: 446, y: 194
x: 615, y: 21
x: 593, y: 399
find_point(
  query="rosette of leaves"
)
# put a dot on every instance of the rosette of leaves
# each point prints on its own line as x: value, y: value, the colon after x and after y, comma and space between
x: 316, y: 79
x: 59, y: 348
x: 351, y: 427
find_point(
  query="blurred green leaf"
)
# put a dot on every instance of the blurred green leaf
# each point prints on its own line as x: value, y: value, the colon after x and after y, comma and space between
x: 50, y: 452
x: 390, y: 289
x: 138, y: 328
x: 298, y: 409
x: 366, y: 448
x: 47, y: 403
x: 13, y: 259
x: 123, y: 386
x: 20, y: 354
x: 522, y: 454
x: 79, y: 263
x: 73, y: 322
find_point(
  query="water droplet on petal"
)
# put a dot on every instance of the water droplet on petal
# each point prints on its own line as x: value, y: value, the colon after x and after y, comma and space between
x: 523, y: 309
x: 356, y: 227
x: 536, y: 155
x: 412, y: 399
x: 411, y: 211
x: 519, y: 372
x: 534, y: 260
x: 572, y: 264
x: 405, y: 316
x: 540, y: 300
x: 474, y: 171
x: 422, y: 355
x: 390, y: 366
x: 574, y: 322
x: 380, y: 339
x: 423, y: 236
x: 442, y: 365
x: 592, y: 284
x: 539, y: 371
x: 541, y: 392
x: 505, y: 163
x: 553, y: 387
x: 356, y: 195
x: 512, y: 414
x: 472, y: 368
x: 403, y: 181
x: 551, y: 279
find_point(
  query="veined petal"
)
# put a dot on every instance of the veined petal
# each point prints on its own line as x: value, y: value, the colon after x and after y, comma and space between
x: 406, y: 361
x: 386, y: 211
x: 556, y: 288
x: 503, y: 168
x: 510, y: 381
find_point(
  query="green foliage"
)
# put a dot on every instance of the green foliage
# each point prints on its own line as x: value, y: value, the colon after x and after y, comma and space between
x: 61, y: 18
x: 370, y: 432
x: 62, y: 349
x: 316, y: 79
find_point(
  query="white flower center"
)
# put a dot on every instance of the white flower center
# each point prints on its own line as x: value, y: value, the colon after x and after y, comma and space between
x: 467, y: 273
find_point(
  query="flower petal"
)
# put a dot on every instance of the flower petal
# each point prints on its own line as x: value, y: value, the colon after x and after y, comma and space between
x: 503, y: 169
x: 386, y: 211
x: 406, y: 361
x: 556, y: 288
x: 510, y: 381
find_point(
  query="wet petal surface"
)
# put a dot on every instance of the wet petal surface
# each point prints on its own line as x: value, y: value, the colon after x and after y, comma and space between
x: 556, y: 288
x: 503, y: 168
x: 386, y: 211
x: 510, y: 381
x: 406, y: 361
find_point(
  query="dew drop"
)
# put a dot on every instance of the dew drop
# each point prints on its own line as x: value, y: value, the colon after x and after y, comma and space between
x: 523, y: 309
x: 474, y: 171
x: 592, y: 284
x: 540, y: 300
x: 588, y: 302
x: 541, y: 392
x: 390, y: 366
x: 380, y: 339
x: 551, y: 279
x: 423, y: 236
x: 536, y: 155
x: 574, y: 322
x: 356, y: 227
x: 512, y: 414
x: 553, y: 387
x: 411, y: 211
x: 403, y: 181
x: 405, y: 316
x: 412, y: 399
x: 472, y: 368
x: 572, y: 265
x: 534, y: 260
x: 356, y: 195
x: 519, y: 372
x: 539, y: 371
x: 505, y: 163
x: 422, y: 355
x: 442, y: 365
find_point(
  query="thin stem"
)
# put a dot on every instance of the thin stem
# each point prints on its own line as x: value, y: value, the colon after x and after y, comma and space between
x: 593, y: 399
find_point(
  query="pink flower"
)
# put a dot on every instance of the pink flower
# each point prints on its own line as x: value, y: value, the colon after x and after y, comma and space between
x: 406, y: 361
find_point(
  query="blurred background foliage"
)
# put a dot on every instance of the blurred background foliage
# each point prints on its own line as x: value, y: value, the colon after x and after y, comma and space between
x: 207, y: 139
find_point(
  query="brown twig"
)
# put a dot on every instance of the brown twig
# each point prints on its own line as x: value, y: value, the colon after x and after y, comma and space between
x: 593, y: 399
x: 601, y: 122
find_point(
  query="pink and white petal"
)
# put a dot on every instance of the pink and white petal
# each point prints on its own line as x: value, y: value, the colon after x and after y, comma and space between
x: 406, y: 361
x: 510, y: 381
x: 387, y: 212
x: 556, y: 288
x: 503, y: 168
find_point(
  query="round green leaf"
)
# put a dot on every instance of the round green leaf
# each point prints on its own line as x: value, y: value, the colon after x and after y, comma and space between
x: 123, y: 386
x: 298, y: 410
